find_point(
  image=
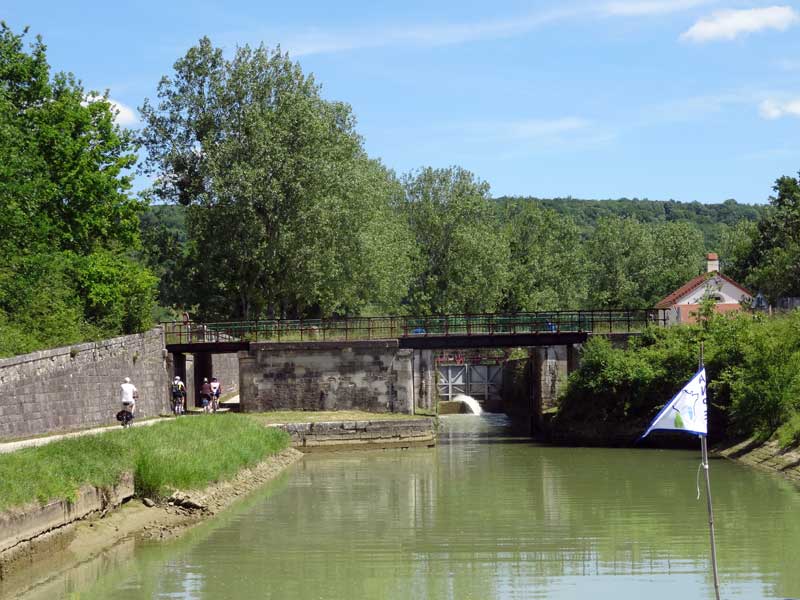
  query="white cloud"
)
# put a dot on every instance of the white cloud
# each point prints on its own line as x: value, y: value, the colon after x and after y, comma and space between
x: 317, y: 41
x: 558, y: 132
x: 775, y: 109
x: 125, y: 116
x: 651, y: 7
x: 320, y: 41
x: 730, y: 24
x: 528, y: 129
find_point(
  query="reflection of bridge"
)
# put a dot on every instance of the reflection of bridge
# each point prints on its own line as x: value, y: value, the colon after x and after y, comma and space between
x: 386, y: 364
x: 428, y: 332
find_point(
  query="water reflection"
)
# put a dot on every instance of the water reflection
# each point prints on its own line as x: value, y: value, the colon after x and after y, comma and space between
x: 484, y: 515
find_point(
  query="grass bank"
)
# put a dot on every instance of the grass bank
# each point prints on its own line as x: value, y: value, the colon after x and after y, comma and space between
x: 186, y: 453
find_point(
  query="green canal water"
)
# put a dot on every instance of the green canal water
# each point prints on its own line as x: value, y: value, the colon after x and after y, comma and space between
x: 484, y: 515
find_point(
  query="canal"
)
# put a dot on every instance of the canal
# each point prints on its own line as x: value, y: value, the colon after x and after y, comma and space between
x: 484, y: 515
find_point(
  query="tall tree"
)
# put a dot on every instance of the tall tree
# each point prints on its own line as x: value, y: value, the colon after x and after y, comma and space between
x: 463, y: 260
x: 548, y: 262
x: 64, y: 184
x: 75, y: 157
x: 775, y: 254
x: 287, y: 215
x: 634, y: 265
x: 678, y: 255
x: 620, y: 253
x: 735, y: 247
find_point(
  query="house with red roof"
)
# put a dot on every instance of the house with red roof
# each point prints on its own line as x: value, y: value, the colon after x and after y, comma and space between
x: 683, y: 304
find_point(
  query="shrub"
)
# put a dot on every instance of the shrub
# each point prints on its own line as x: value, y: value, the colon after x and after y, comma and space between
x: 753, y: 366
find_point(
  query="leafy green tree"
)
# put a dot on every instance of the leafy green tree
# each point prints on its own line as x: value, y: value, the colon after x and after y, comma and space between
x: 775, y: 255
x: 64, y: 181
x: 69, y: 145
x: 620, y: 261
x: 547, y: 262
x: 165, y: 251
x: 634, y: 265
x: 287, y: 216
x: 735, y: 247
x: 678, y: 256
x: 463, y: 260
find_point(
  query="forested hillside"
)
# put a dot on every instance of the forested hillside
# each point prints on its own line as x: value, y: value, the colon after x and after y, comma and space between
x: 708, y: 217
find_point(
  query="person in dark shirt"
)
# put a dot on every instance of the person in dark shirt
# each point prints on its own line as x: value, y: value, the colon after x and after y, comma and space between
x: 205, y: 395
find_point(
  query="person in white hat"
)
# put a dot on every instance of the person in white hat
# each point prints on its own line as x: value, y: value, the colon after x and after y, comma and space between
x: 127, y: 395
x: 178, y: 395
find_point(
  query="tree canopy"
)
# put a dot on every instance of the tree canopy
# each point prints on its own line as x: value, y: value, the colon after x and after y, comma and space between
x: 287, y: 216
x: 463, y: 255
x: 774, y: 258
x: 67, y: 218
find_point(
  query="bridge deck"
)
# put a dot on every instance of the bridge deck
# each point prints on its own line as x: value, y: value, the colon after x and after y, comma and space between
x: 431, y: 332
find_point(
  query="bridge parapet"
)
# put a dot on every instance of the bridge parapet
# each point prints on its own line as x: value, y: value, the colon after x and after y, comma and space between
x: 237, y: 333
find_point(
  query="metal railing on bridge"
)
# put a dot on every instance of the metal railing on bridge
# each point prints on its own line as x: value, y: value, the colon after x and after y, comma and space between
x: 377, y: 328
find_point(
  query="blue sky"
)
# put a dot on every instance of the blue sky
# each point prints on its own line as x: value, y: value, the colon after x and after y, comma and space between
x: 683, y: 99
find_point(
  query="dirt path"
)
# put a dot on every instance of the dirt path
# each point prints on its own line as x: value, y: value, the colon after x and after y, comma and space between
x: 41, y: 441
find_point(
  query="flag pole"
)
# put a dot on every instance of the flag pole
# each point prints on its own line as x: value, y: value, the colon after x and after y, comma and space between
x: 704, y: 459
x: 704, y: 450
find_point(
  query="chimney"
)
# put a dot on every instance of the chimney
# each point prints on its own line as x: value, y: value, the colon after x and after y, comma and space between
x: 712, y: 262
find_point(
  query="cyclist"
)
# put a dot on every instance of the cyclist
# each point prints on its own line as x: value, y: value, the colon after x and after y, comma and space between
x: 216, y: 390
x: 127, y: 395
x: 178, y: 396
x: 205, y: 395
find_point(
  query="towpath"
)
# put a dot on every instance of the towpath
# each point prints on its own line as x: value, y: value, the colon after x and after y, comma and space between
x: 41, y: 441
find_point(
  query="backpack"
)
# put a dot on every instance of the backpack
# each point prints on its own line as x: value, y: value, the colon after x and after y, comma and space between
x: 176, y: 390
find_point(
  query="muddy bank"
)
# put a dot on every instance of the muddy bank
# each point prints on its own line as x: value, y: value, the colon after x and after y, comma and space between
x: 32, y: 563
x: 768, y: 456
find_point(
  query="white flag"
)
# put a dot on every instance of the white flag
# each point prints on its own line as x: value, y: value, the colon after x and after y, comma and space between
x: 687, y: 411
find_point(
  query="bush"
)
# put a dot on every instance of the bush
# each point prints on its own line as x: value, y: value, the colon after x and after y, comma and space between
x: 752, y: 362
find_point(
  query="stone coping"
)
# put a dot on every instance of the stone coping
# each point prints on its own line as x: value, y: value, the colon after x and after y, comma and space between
x: 75, y: 349
x: 361, y: 435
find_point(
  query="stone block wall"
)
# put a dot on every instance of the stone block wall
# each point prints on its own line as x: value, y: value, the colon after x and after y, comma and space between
x: 551, y: 368
x: 76, y: 387
x: 351, y: 435
x: 371, y: 376
x: 226, y: 369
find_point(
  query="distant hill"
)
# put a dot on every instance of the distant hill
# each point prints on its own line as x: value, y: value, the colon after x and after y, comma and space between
x: 708, y: 217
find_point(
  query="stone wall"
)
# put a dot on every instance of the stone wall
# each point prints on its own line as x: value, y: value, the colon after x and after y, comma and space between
x: 226, y: 369
x: 23, y: 524
x: 372, y: 376
x: 361, y: 435
x: 550, y: 369
x: 77, y: 387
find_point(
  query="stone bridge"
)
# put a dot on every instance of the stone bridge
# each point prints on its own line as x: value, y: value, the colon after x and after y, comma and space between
x: 386, y: 364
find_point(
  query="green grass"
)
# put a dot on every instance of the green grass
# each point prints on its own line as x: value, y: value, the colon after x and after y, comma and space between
x: 301, y: 416
x: 789, y: 432
x: 186, y: 453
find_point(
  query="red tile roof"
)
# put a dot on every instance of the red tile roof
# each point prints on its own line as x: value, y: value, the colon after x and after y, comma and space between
x: 692, y: 284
